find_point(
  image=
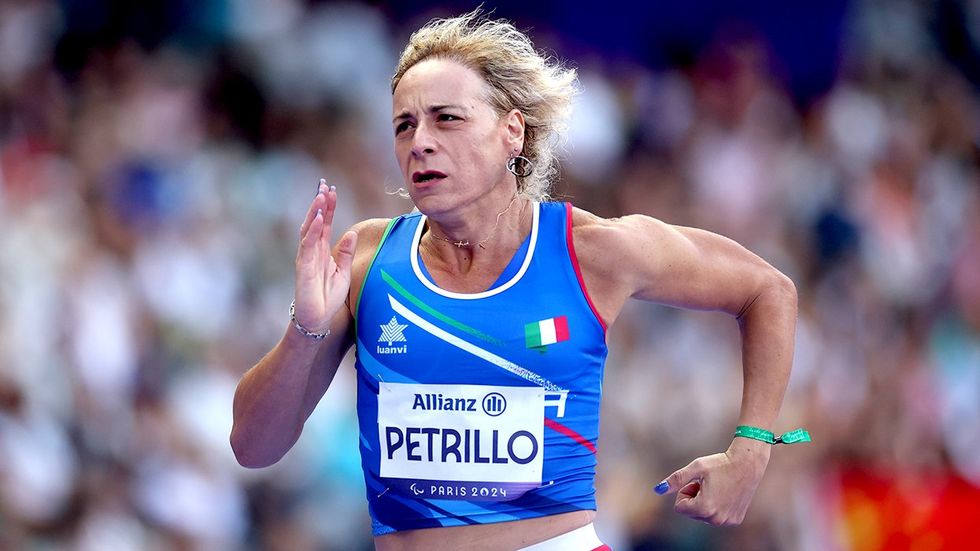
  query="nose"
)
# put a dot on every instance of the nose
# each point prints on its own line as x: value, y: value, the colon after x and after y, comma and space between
x: 423, y: 142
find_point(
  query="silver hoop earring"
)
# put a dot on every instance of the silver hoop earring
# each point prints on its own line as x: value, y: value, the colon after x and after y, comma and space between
x: 527, y: 167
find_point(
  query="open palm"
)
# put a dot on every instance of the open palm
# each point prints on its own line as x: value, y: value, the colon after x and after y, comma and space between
x: 322, y: 275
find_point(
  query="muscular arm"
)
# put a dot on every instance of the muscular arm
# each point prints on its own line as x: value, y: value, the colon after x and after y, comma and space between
x: 696, y: 269
x: 276, y: 396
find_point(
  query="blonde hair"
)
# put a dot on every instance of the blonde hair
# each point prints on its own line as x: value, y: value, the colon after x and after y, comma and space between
x: 518, y: 77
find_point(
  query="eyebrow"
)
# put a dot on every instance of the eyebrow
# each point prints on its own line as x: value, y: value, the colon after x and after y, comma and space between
x: 432, y: 109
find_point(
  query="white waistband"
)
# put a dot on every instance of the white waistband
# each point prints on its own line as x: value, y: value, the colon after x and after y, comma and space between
x: 580, y: 539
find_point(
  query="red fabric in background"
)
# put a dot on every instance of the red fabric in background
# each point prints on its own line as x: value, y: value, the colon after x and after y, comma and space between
x: 893, y: 511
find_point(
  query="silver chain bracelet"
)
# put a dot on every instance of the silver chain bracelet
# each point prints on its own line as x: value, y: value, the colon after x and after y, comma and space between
x: 300, y: 328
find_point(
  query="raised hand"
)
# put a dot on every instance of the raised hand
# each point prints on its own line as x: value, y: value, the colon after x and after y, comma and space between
x: 322, y: 276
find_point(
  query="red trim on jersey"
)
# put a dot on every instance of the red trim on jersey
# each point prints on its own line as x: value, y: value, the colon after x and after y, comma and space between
x: 603, y: 548
x: 558, y: 427
x: 578, y: 270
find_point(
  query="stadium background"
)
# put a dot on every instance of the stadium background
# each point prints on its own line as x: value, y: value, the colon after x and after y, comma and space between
x: 156, y: 159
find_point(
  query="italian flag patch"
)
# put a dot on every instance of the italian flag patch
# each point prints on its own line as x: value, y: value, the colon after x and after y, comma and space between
x: 545, y: 332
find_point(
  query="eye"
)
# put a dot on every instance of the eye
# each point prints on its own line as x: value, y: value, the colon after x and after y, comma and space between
x: 402, y: 126
x: 448, y: 117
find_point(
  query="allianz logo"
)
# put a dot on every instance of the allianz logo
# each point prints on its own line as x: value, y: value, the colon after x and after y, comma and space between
x: 493, y: 404
x: 391, y: 333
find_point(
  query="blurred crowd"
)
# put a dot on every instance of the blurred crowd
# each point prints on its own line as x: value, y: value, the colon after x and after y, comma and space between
x: 153, y: 178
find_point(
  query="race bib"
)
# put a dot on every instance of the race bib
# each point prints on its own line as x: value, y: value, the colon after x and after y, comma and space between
x: 471, y: 442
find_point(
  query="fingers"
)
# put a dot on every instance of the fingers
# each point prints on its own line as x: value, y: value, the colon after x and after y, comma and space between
x: 313, y: 257
x: 687, y: 483
x: 680, y: 478
x: 687, y: 502
x: 329, y: 208
x: 325, y: 200
x: 322, y: 277
x: 694, y: 503
x: 705, y: 492
x: 308, y: 255
x: 318, y: 203
x: 691, y: 490
x: 317, y: 226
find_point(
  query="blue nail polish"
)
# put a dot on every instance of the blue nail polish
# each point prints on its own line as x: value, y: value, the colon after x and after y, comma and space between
x: 662, y: 488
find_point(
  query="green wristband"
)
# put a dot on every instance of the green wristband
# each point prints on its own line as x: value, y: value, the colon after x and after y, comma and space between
x: 791, y: 437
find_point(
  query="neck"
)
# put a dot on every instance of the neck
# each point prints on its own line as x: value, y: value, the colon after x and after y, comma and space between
x: 498, y: 230
x: 460, y: 243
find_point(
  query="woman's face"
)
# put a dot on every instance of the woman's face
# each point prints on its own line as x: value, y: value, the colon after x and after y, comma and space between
x: 451, y: 146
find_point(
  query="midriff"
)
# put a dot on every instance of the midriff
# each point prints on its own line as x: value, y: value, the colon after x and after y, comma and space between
x: 497, y: 536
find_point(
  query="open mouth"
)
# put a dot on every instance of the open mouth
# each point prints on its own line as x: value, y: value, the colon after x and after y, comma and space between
x: 427, y: 176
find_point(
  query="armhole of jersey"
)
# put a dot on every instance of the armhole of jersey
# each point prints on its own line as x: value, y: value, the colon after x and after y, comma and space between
x: 381, y: 242
x: 578, y: 270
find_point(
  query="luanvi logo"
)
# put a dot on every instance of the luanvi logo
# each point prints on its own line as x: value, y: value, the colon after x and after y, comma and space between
x: 391, y: 333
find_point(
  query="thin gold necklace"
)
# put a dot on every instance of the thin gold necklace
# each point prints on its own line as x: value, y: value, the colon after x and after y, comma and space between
x: 459, y: 243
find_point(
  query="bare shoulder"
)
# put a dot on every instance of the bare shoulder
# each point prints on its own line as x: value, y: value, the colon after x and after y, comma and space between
x: 642, y: 257
x: 369, y: 233
x: 611, y: 253
x: 593, y: 223
x: 610, y: 241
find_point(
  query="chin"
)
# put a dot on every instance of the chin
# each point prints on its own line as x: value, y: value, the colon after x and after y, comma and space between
x: 436, y: 201
x: 432, y: 204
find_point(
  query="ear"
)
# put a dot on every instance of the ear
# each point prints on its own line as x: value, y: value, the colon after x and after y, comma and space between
x: 514, y: 121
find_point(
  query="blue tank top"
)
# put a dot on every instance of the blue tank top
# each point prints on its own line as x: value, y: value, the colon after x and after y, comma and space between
x: 482, y: 407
